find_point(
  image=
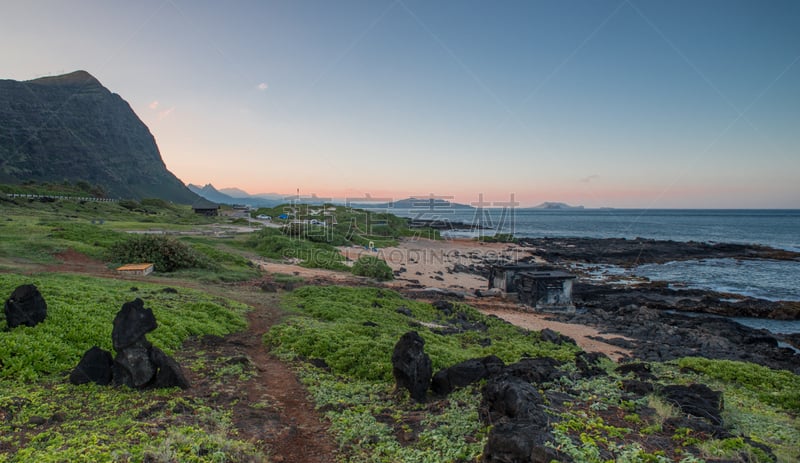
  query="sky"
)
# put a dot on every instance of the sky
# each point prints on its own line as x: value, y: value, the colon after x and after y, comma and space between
x: 632, y: 103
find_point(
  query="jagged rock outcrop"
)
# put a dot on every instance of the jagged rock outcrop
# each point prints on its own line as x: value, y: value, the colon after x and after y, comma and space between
x: 411, y: 366
x: 26, y: 306
x: 96, y: 366
x: 657, y: 336
x: 70, y: 127
x: 695, y: 399
x: 535, y: 370
x: 521, y: 426
x: 138, y: 363
x: 464, y: 373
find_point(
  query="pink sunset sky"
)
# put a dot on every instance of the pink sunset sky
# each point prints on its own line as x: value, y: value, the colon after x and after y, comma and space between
x: 595, y: 103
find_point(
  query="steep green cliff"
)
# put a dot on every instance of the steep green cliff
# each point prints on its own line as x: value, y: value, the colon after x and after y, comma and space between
x: 70, y: 127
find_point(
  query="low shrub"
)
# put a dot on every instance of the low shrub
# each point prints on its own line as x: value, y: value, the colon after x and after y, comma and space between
x: 373, y: 267
x: 335, y: 324
x: 776, y: 387
x: 274, y: 244
x: 165, y: 253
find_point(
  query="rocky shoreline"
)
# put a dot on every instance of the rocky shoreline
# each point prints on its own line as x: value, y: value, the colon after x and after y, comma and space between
x: 660, y: 296
x: 628, y: 253
x: 658, y: 336
x: 658, y: 323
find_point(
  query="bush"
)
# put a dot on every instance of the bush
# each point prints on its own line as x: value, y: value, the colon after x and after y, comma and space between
x: 370, y: 266
x: 157, y: 203
x: 274, y: 244
x: 165, y: 253
x: 780, y: 388
x: 129, y: 204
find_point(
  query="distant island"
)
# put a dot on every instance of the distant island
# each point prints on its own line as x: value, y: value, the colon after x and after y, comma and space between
x: 555, y: 206
x: 233, y: 195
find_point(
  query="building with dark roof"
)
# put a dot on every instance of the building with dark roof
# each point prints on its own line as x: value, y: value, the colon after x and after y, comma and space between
x: 205, y: 207
x: 542, y: 287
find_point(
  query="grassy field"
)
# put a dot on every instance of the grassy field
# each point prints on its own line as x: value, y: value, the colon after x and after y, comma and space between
x: 351, y: 333
x: 338, y: 339
x: 43, y: 418
x: 35, y: 230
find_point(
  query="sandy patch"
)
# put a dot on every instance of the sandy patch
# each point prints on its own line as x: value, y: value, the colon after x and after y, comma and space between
x: 431, y: 264
x: 307, y: 273
x: 580, y: 333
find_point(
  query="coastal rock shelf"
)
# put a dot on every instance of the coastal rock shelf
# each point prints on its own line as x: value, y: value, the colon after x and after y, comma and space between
x: 623, y: 252
x: 661, y: 336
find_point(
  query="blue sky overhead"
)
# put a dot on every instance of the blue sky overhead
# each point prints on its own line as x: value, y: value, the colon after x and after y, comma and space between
x: 602, y: 103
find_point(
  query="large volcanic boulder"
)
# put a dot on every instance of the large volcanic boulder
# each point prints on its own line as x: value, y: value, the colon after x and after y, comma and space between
x: 168, y: 372
x: 588, y: 363
x: 511, y: 398
x: 132, y: 322
x: 133, y: 368
x: 516, y: 409
x: 95, y: 367
x: 138, y: 363
x: 695, y: 399
x: 26, y: 306
x: 411, y: 366
x: 465, y: 373
x: 519, y: 442
x: 536, y: 370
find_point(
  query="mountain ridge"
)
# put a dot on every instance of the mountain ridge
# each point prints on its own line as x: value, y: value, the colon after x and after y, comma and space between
x: 71, y: 128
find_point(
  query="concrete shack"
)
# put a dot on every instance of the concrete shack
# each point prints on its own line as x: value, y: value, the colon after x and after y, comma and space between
x: 502, y: 276
x: 538, y: 286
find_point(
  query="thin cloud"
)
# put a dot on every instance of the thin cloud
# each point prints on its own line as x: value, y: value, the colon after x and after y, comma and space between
x: 153, y: 105
x: 262, y: 86
x: 164, y: 114
x: 590, y: 178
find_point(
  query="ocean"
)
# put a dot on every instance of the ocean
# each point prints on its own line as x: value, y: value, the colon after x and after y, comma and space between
x: 772, y: 280
x: 775, y: 228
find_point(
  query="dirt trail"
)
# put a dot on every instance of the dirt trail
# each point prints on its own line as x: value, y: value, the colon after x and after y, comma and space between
x: 289, y: 425
x: 271, y: 408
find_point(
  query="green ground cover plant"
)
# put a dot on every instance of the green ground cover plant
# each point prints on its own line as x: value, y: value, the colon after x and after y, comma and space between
x: 314, y: 244
x: 80, y: 315
x: 167, y: 254
x: 372, y: 267
x: 760, y: 403
x: 345, y: 225
x: 54, y: 421
x: 36, y: 232
x: 274, y: 244
x: 778, y: 388
x: 78, y: 189
x: 498, y: 238
x: 44, y: 418
x: 353, y: 330
x: 329, y: 323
